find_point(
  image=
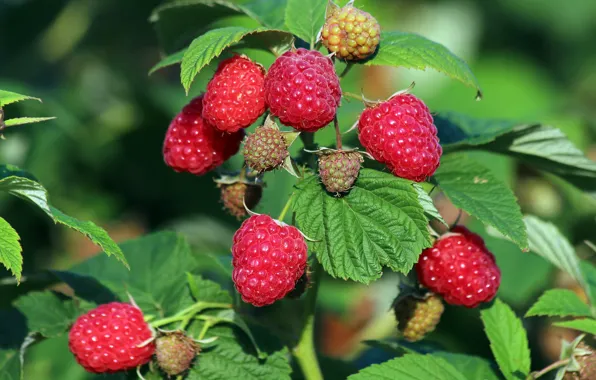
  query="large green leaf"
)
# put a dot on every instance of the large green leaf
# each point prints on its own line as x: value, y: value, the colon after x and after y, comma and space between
x: 7, y: 97
x: 561, y: 303
x: 180, y: 21
x: 10, y: 249
x: 210, y: 45
x: 380, y: 222
x: 411, y: 367
x: 472, y: 367
x: 540, y: 146
x: 412, y: 51
x: 587, y: 325
x: 158, y: 282
x: 473, y: 188
x: 305, y: 18
x: 428, y: 205
x: 46, y: 313
x: 10, y: 365
x: 231, y: 359
x: 508, y: 340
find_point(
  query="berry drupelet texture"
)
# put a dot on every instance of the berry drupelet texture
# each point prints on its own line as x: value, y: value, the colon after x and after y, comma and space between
x: 460, y: 268
x: 192, y: 145
x: 265, y: 149
x: 268, y: 259
x: 339, y: 170
x: 175, y: 352
x: 417, y: 317
x: 400, y: 133
x: 108, y: 338
x: 235, y: 96
x: 302, y: 89
x: 234, y: 196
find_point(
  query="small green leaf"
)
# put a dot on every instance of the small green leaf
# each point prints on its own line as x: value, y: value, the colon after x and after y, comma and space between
x: 586, y: 325
x: 7, y: 97
x: 96, y: 234
x: 228, y: 359
x: 561, y: 303
x: 547, y: 241
x: 25, y: 120
x: 412, y: 51
x: 428, y: 205
x: 473, y: 188
x: 10, y: 249
x: 589, y: 273
x: 380, y: 222
x: 46, y: 313
x: 410, y: 367
x: 305, y: 18
x: 26, y: 189
x: 472, y: 367
x: 170, y: 60
x: 508, y: 340
x: 206, y: 290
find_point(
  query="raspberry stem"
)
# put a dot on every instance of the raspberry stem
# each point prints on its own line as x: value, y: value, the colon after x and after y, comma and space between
x: 191, y: 310
x: 283, y: 213
x: 544, y: 371
x: 337, y: 133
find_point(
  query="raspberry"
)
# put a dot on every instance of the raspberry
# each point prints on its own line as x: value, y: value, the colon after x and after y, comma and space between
x: 192, y: 145
x: 339, y: 169
x: 417, y: 317
x: 302, y: 89
x: 587, y: 364
x: 235, y: 96
x: 108, y: 338
x: 175, y: 352
x: 400, y: 133
x: 460, y: 268
x: 236, y: 194
x: 268, y: 259
x: 265, y: 149
x: 350, y: 33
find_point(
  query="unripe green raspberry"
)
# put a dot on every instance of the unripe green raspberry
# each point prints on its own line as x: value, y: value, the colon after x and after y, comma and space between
x: 175, y: 352
x: 417, y: 317
x: 339, y: 170
x: 350, y: 33
x: 265, y: 149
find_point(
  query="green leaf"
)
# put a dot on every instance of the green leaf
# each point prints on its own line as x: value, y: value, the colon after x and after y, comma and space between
x: 428, y: 205
x: 25, y: 120
x: 508, y: 340
x: 157, y: 283
x: 96, y: 234
x: 589, y: 273
x: 210, y: 45
x: 540, y: 146
x: 170, y: 60
x: 410, y: 367
x: 230, y: 316
x: 178, y: 22
x: 10, y: 365
x: 472, y: 367
x: 7, y: 97
x: 547, y: 241
x: 206, y: 290
x: 380, y: 222
x: 46, y: 313
x: 559, y: 302
x: 10, y: 249
x: 229, y: 360
x: 473, y: 188
x: 586, y: 325
x: 412, y: 51
x: 305, y: 18
x: 26, y: 189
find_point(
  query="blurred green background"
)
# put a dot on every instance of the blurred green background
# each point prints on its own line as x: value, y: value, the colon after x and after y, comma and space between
x: 101, y: 158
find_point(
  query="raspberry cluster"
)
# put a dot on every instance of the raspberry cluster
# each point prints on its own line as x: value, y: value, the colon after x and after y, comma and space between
x: 110, y: 338
x: 268, y: 259
x: 460, y: 268
x: 400, y: 133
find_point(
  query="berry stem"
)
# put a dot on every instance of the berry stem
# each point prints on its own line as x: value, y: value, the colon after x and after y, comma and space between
x: 346, y: 70
x: 191, y: 310
x: 305, y: 352
x: 337, y: 133
x: 283, y: 213
x: 346, y: 94
x: 308, y: 141
x: 545, y: 370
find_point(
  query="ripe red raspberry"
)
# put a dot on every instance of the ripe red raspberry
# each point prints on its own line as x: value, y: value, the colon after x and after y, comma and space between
x: 235, y: 195
x: 460, y: 268
x: 192, y: 145
x: 302, y: 89
x: 268, y: 259
x: 350, y: 33
x: 417, y: 317
x: 235, y: 96
x: 400, y: 133
x: 107, y: 338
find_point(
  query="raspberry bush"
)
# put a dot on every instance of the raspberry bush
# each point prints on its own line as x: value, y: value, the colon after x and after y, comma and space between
x: 326, y: 185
